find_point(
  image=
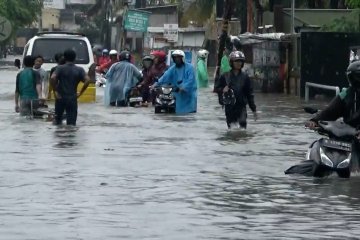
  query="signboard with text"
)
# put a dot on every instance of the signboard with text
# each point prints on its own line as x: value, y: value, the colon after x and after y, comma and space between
x: 56, y: 4
x: 137, y: 21
x: 171, y: 32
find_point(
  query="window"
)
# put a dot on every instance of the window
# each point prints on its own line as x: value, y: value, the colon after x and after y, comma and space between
x: 49, y: 47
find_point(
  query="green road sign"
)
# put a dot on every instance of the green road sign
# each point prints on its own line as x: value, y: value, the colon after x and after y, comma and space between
x: 136, y: 21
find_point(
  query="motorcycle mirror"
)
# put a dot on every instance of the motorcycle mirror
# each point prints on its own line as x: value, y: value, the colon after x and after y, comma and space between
x: 310, y: 110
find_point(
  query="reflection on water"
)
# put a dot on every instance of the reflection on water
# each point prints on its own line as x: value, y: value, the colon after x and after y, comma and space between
x: 127, y: 173
x: 236, y: 135
x: 66, y: 136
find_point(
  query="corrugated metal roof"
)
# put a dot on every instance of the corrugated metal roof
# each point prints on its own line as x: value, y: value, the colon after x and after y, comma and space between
x: 161, y: 29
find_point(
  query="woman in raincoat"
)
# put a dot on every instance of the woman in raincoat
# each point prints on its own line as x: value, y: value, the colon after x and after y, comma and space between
x: 121, y: 78
x: 182, y: 76
x: 202, y: 76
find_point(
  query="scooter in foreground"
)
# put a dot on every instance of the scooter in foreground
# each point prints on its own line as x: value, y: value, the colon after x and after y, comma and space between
x: 165, y: 101
x: 337, y: 152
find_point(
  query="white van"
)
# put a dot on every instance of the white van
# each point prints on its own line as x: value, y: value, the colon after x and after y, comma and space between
x: 47, y: 44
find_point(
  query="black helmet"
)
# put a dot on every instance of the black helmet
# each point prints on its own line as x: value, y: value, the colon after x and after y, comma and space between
x: 229, y: 97
x: 353, y: 74
x: 237, y: 55
x: 125, y: 56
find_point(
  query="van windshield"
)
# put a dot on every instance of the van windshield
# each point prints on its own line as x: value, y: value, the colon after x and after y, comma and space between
x: 47, y: 48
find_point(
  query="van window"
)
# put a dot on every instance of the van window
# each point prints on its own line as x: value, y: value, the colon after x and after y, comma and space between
x: 49, y: 47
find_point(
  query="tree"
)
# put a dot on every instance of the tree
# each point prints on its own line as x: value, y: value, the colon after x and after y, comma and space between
x: 20, y: 13
x: 344, y: 24
x: 353, y: 3
x: 198, y: 12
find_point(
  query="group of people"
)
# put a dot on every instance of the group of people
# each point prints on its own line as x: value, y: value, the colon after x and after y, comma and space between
x: 33, y: 86
x: 122, y: 76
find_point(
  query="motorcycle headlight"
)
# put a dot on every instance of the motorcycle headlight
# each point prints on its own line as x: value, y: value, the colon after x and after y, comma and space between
x: 325, y: 159
x: 307, y: 156
x: 345, y: 163
x: 166, y: 90
x: 171, y: 102
x: 158, y: 100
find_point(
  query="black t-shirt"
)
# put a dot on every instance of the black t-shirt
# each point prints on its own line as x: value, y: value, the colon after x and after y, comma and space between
x: 68, y: 77
x: 53, y: 70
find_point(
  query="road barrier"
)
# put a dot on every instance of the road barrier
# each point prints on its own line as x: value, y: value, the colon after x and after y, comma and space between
x: 315, y: 85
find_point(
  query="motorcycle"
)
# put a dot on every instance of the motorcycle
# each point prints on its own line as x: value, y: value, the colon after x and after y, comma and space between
x: 165, y: 101
x: 134, y: 97
x: 337, y: 152
x: 100, y: 80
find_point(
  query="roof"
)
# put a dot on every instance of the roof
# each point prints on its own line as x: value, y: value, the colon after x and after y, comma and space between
x: 251, y: 38
x: 161, y: 29
x: 157, y: 7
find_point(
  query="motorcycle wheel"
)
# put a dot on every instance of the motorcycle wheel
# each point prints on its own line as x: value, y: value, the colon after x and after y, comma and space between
x: 171, y: 110
x: 344, y: 173
x: 157, y: 109
x: 320, y: 172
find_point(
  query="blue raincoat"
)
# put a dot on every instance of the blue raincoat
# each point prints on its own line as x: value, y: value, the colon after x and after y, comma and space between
x: 120, y: 78
x: 184, y: 78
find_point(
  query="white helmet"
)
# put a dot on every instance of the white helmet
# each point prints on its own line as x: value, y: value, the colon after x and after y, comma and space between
x: 202, y: 53
x: 113, y: 52
x: 178, y: 53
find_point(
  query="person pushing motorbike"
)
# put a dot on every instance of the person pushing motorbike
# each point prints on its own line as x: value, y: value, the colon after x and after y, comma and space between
x: 346, y: 104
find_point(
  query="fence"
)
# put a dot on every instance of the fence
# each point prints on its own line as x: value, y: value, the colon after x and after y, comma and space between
x: 315, y: 85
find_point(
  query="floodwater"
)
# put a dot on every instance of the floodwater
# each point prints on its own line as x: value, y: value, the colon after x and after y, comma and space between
x: 126, y: 173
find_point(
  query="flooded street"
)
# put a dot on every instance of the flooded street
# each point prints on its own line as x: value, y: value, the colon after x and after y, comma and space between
x: 126, y: 173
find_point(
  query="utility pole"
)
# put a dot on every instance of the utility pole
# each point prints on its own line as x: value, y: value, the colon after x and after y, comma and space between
x: 228, y: 11
x: 40, y: 16
x: 293, y: 16
x: 295, y: 69
x: 295, y: 53
x: 105, y: 23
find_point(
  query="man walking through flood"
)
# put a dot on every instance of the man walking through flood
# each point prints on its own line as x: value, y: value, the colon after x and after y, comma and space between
x: 64, y: 82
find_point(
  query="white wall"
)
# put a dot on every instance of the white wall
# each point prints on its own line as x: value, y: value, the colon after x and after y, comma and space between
x: 190, y: 39
x: 186, y: 39
x: 80, y: 1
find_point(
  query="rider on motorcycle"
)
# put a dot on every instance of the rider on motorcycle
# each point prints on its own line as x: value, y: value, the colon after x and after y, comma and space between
x: 148, y: 80
x: 159, y: 65
x: 104, y: 58
x: 121, y: 78
x: 106, y: 66
x: 182, y: 76
x: 346, y: 104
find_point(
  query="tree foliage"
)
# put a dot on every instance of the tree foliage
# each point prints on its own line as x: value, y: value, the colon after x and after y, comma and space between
x: 353, y: 3
x: 197, y: 13
x: 19, y: 12
x: 343, y: 24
